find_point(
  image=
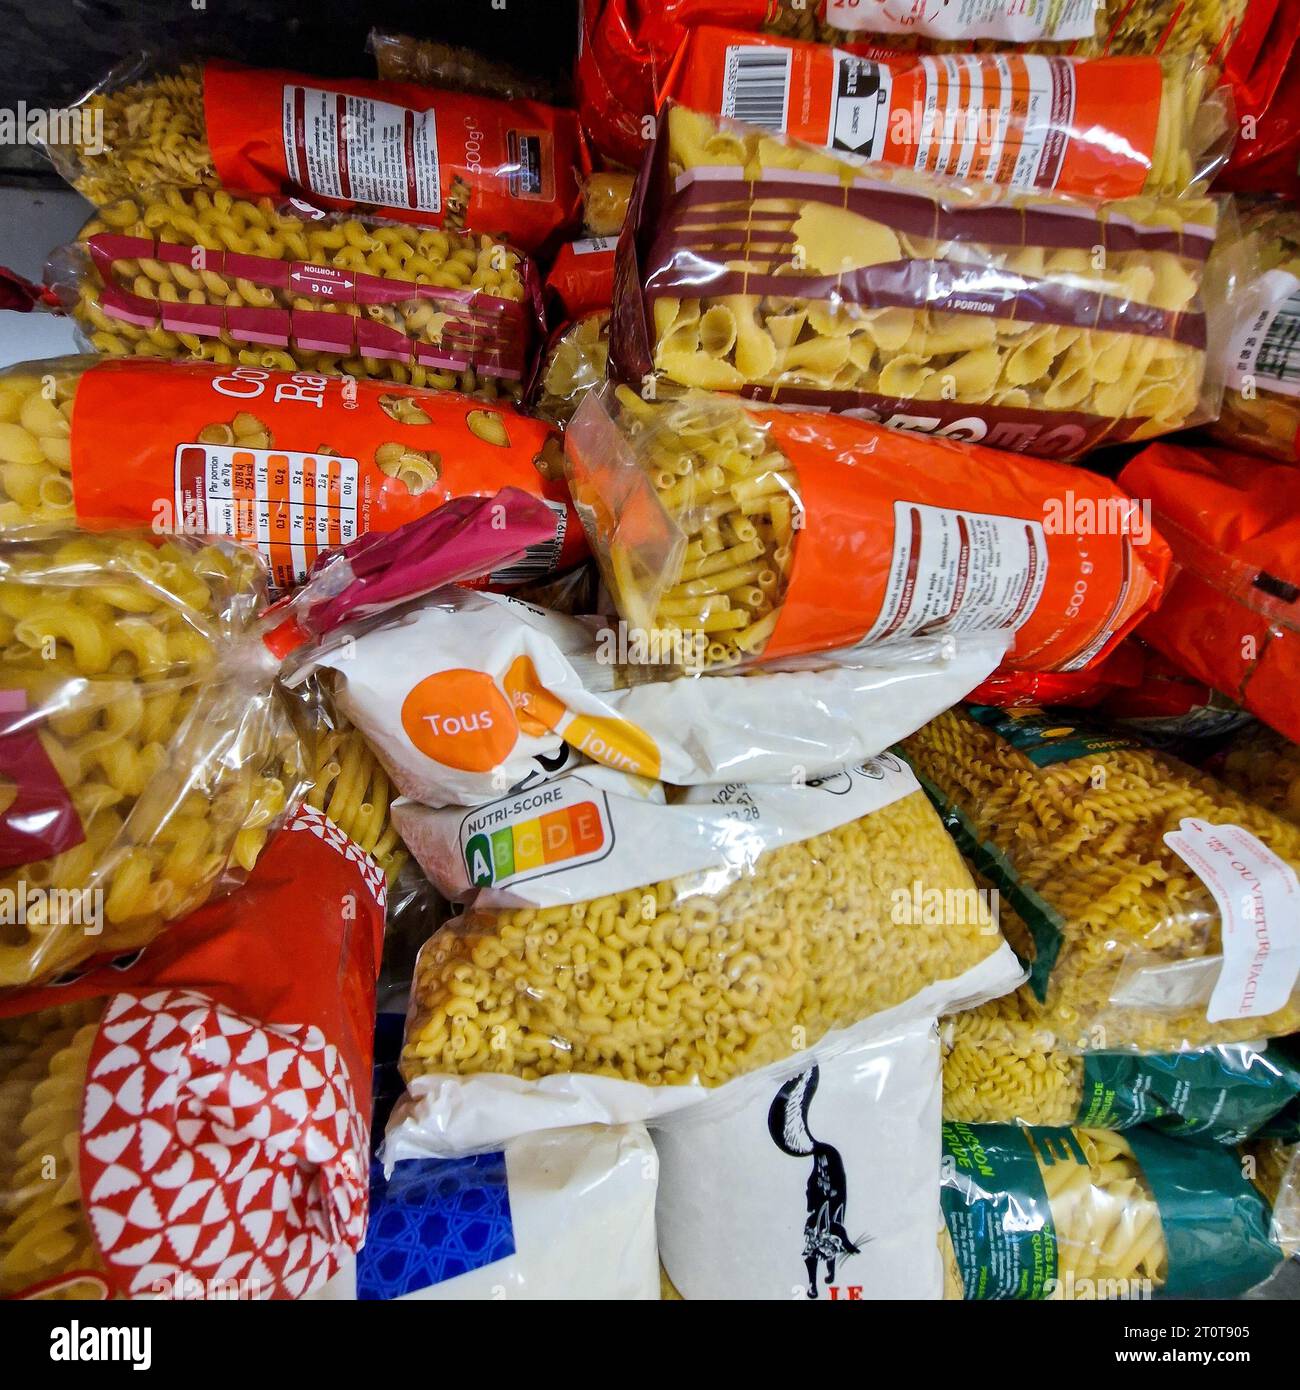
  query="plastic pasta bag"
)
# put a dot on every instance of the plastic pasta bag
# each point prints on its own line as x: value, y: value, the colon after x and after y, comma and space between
x: 1118, y: 872
x: 1265, y: 767
x: 405, y: 58
x: 142, y: 753
x: 1095, y: 127
x: 1001, y: 1067
x: 1277, y: 1175
x: 574, y: 364
x: 211, y: 1028
x: 563, y: 1215
x: 576, y: 989
x: 822, y: 1185
x: 605, y: 199
x: 1232, y: 613
x: 1026, y: 320
x: 292, y: 462
x: 581, y: 282
x: 1261, y: 356
x: 191, y: 274
x: 775, y: 532
x: 440, y: 159
x: 465, y: 696
x: 1074, y: 1213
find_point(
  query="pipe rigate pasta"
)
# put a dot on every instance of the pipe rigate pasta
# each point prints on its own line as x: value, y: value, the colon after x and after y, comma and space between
x: 1027, y: 320
x: 192, y: 274
x: 1072, y: 832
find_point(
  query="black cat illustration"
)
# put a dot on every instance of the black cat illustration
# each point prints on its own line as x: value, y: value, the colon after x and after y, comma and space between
x: 824, y: 1235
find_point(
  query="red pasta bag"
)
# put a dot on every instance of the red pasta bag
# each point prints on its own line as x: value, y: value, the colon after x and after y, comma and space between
x: 206, y: 1103
x: 581, y: 281
x: 1232, y: 612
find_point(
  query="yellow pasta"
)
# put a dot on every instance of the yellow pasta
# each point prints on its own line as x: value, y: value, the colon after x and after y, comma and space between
x: 213, y: 222
x: 149, y: 759
x: 1084, y: 854
x: 352, y: 789
x: 1265, y: 767
x: 685, y: 981
x: 575, y: 364
x: 605, y: 197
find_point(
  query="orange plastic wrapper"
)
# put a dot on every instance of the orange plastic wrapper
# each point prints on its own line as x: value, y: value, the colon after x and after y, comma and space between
x: 776, y: 533
x: 291, y: 463
x: 1100, y: 127
x: 1231, y: 616
x: 581, y: 281
x: 441, y: 159
x: 206, y: 1110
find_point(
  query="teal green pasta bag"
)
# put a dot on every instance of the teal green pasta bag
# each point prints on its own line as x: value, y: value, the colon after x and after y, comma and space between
x: 1075, y: 1213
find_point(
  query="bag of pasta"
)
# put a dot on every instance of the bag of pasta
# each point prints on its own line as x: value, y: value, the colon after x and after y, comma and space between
x: 406, y: 58
x: 465, y: 696
x: 1157, y: 909
x: 142, y: 753
x: 193, y: 274
x: 1261, y: 356
x: 1094, y: 127
x: 1001, y: 1066
x: 439, y: 159
x: 627, y: 948
x: 775, y: 532
x: 251, y: 1138
x: 1265, y: 767
x: 292, y: 462
x: 574, y: 364
x: 581, y: 282
x: 1079, y: 1213
x: 1231, y: 616
x: 1277, y: 1175
x: 1026, y: 320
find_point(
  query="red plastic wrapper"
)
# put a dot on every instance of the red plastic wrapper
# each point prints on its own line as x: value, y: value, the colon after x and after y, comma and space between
x: 581, y: 281
x: 1266, y: 158
x: 1164, y: 701
x: 1079, y: 689
x: 205, y: 1107
x: 1231, y: 614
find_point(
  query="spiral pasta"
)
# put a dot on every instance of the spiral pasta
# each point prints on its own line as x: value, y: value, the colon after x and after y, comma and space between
x: 460, y: 312
x: 43, y: 1229
x: 1083, y: 853
x: 138, y: 747
x: 689, y: 980
x: 1265, y: 767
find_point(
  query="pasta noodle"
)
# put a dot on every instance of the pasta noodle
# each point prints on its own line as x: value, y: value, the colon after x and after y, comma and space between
x: 605, y: 199
x: 437, y: 308
x: 1093, y: 894
x: 696, y: 979
x: 143, y: 762
x: 574, y: 364
x: 351, y: 788
x: 918, y: 290
x: 1264, y: 767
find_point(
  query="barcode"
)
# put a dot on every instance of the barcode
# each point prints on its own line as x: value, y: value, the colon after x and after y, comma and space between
x: 756, y: 86
x: 538, y: 560
x: 1279, y: 354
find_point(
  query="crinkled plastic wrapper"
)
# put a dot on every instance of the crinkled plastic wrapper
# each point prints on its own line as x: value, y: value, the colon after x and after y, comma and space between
x: 1097, y: 847
x: 575, y: 363
x: 209, y: 444
x: 194, y: 1123
x: 578, y: 988
x: 1083, y: 1213
x: 435, y: 158
x: 764, y: 533
x: 605, y: 200
x: 1231, y: 616
x: 405, y: 58
x: 1265, y: 767
x: 1277, y: 1168
x: 143, y: 753
x: 1092, y: 127
x: 1002, y: 1066
x: 1261, y: 399
x: 1030, y: 321
x: 192, y: 274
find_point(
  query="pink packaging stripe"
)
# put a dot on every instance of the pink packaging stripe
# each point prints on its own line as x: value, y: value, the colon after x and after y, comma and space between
x: 202, y: 319
x: 269, y: 326
x: 258, y: 270
x: 130, y: 308
x: 321, y: 332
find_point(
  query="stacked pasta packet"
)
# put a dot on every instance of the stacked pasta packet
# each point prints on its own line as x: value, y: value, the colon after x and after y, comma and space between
x: 661, y: 644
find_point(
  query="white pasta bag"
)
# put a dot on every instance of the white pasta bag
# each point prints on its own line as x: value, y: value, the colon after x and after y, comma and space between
x: 823, y: 1185
x: 628, y: 948
x: 467, y: 695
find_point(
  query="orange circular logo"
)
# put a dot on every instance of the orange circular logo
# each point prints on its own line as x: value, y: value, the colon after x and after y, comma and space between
x: 460, y: 719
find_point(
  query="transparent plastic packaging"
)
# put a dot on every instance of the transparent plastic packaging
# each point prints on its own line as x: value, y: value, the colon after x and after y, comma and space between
x: 1277, y: 1169
x: 1093, y: 127
x: 1036, y: 322
x: 436, y: 158
x: 576, y: 988
x: 192, y: 274
x: 85, y: 1166
x: 605, y: 200
x: 209, y: 442
x: 1265, y: 767
x: 405, y: 58
x: 767, y: 533
x: 1230, y: 617
x: 464, y: 696
x: 1126, y: 942
x: 1261, y: 399
x: 145, y: 755
x: 1001, y: 1066
x: 575, y: 362
x: 1081, y: 1213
